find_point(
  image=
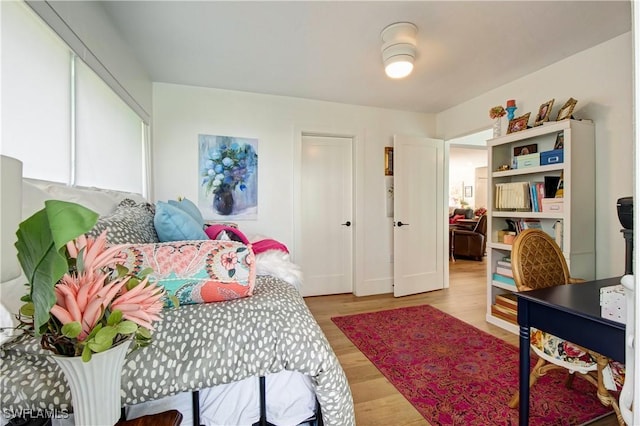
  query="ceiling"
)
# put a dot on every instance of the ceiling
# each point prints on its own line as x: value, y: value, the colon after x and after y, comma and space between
x: 330, y: 50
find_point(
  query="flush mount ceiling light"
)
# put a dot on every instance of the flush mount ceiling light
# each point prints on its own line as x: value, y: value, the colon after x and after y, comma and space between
x: 399, y: 49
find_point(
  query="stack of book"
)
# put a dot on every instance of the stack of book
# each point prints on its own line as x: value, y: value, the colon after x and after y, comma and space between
x: 506, y: 307
x: 503, y: 273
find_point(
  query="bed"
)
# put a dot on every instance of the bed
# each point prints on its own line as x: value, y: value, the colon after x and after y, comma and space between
x: 214, y: 353
x: 199, y: 347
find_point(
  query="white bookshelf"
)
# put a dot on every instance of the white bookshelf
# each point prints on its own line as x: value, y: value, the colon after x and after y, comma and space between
x: 578, y: 215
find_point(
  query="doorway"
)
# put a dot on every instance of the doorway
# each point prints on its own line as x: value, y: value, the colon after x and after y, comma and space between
x: 467, y: 171
x: 326, y: 212
x: 467, y: 178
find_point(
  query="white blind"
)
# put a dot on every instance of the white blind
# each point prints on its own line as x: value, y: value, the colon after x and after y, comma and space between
x: 35, y: 95
x: 39, y: 98
x: 109, y: 136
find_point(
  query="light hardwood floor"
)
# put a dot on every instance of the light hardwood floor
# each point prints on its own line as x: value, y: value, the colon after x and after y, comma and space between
x: 377, y: 402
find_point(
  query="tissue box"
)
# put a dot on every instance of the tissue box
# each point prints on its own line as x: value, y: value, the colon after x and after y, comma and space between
x: 553, y: 205
x: 613, y: 304
x: 528, y: 160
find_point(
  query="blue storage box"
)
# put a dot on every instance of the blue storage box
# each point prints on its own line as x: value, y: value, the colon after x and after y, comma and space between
x: 552, y: 157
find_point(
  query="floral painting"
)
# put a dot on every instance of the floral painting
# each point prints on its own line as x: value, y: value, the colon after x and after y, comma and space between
x: 228, y: 177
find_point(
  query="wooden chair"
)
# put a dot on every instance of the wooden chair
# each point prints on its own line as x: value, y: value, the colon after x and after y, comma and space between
x: 537, y: 262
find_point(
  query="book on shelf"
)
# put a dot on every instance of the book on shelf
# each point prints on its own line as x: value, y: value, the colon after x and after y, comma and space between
x: 551, y: 186
x: 503, y: 279
x: 504, y: 264
x: 507, y: 272
x: 504, y: 313
x: 508, y: 300
x: 519, y: 225
x: 512, y: 196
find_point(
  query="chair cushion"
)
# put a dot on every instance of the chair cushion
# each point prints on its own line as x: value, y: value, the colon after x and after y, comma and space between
x: 561, y: 352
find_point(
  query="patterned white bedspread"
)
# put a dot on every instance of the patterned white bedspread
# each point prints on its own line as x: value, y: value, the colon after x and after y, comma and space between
x: 200, y: 346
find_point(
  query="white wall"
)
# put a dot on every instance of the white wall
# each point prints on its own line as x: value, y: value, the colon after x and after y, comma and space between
x: 183, y: 112
x: 463, y: 163
x: 601, y: 80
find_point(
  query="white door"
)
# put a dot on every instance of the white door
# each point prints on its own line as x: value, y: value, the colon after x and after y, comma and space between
x: 419, y: 223
x: 326, y: 215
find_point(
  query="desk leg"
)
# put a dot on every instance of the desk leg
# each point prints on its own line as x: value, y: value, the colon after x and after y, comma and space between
x: 525, y: 366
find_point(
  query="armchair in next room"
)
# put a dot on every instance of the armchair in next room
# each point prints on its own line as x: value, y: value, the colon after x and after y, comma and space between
x: 470, y: 243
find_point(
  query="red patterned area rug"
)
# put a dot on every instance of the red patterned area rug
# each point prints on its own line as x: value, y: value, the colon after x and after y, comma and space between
x: 456, y: 374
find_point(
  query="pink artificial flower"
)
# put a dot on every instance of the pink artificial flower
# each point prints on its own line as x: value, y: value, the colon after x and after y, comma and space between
x: 142, y: 304
x: 86, y: 294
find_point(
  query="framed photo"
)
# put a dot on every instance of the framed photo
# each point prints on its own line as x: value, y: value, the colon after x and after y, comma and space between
x: 468, y: 191
x: 526, y: 149
x: 559, y: 141
x: 544, y: 112
x: 388, y: 161
x: 567, y: 109
x: 518, y: 123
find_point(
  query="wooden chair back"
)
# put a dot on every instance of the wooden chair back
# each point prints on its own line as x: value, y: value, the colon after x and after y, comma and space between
x: 537, y: 261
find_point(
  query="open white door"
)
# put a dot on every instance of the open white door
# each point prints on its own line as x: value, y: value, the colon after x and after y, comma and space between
x: 418, y: 233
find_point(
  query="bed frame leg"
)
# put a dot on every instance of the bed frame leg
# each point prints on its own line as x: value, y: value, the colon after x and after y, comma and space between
x: 195, y: 403
x: 263, y: 401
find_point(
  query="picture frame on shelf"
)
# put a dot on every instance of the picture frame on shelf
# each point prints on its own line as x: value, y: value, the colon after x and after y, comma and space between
x: 388, y: 161
x: 519, y: 123
x: 566, y: 110
x: 544, y: 112
x: 559, y: 141
x: 525, y: 149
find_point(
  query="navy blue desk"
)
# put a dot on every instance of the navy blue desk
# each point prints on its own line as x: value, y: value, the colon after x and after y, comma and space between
x: 571, y: 312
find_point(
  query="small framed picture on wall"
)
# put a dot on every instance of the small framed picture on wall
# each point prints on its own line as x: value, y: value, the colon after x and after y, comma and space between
x: 388, y: 161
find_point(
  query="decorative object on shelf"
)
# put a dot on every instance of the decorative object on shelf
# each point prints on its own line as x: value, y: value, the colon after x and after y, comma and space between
x: 503, y: 168
x: 544, y: 112
x: 566, y: 110
x: 525, y: 149
x: 511, y: 109
x: 95, y: 385
x: 228, y: 172
x: 559, y: 141
x: 519, y: 123
x: 388, y: 161
x: 496, y: 113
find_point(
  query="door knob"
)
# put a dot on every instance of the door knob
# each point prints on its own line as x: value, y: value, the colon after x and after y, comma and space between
x: 347, y: 223
x: 402, y: 224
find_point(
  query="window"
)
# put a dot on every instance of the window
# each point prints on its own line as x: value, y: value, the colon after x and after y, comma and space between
x: 59, y: 118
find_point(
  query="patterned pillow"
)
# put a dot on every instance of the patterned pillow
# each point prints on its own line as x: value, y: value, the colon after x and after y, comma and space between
x: 130, y: 223
x: 197, y: 271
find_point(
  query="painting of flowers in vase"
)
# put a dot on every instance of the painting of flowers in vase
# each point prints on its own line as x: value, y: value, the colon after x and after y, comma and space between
x: 228, y: 177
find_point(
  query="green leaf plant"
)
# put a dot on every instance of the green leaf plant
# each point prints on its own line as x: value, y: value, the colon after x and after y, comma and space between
x: 41, y: 245
x: 81, y: 299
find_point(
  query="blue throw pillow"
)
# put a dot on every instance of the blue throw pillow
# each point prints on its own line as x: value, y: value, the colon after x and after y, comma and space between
x: 174, y: 224
x: 189, y: 207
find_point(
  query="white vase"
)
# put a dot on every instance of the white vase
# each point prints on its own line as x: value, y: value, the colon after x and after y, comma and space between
x: 95, y: 385
x: 497, y: 128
